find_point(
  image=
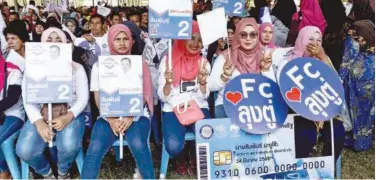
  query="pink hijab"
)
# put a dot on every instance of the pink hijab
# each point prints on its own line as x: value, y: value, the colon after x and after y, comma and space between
x: 147, y: 84
x: 302, y: 41
x: 245, y: 61
x: 261, y: 29
x: 311, y: 15
x: 50, y: 30
x: 185, y: 65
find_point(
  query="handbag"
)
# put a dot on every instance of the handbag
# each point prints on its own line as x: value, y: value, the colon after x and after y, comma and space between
x: 58, y: 109
x: 189, y: 112
x: 294, y: 31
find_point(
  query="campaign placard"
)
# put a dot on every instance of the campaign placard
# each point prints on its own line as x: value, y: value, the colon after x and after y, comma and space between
x: 170, y: 19
x: 232, y: 7
x: 224, y: 151
x: 254, y: 103
x: 312, y: 89
x: 48, y: 72
x: 99, y: 47
x: 120, y: 86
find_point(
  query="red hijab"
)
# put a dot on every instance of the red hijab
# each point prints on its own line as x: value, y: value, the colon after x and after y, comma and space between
x: 311, y: 15
x: 147, y: 84
x: 185, y: 65
x: 246, y: 61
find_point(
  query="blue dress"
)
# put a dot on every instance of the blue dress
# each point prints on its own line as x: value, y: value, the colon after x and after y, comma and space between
x: 358, y: 74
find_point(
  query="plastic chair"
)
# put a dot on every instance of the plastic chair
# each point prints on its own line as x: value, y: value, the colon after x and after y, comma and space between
x: 9, y: 149
x: 79, y: 162
x: 189, y: 136
x: 338, y: 167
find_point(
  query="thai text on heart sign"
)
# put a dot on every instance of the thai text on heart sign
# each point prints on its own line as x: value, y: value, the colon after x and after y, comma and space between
x: 311, y: 88
x: 254, y: 103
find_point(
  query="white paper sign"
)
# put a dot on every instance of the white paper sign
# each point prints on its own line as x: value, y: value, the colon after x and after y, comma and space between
x: 48, y: 72
x: 123, y: 98
x: 213, y: 25
x: 103, y: 11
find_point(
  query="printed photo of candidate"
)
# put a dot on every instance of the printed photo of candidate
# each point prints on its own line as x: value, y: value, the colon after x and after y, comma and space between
x: 126, y: 65
x: 57, y: 67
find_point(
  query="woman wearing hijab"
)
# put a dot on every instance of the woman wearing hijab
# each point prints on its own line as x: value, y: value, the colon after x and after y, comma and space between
x: 266, y: 35
x: 70, y: 127
x: 73, y: 26
x: 362, y: 10
x: 336, y: 31
x: 12, y: 114
x: 36, y: 35
x: 358, y: 74
x: 185, y: 82
x: 244, y: 57
x: 135, y: 129
x: 139, y: 45
x: 310, y: 14
x: 284, y: 10
x: 308, y: 44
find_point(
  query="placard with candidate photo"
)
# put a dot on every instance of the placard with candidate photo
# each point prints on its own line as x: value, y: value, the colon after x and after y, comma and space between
x: 48, y: 72
x: 120, y: 86
x: 170, y: 19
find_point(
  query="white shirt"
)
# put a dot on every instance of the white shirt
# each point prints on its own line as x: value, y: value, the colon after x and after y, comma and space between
x: 177, y: 97
x: 94, y: 86
x: 80, y: 95
x: 216, y: 83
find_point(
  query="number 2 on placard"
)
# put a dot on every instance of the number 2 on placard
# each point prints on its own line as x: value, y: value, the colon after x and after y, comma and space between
x: 238, y: 6
x: 135, y: 103
x: 64, y: 89
x: 184, y: 27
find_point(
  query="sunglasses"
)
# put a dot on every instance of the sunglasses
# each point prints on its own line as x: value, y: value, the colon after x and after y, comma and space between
x: 252, y: 35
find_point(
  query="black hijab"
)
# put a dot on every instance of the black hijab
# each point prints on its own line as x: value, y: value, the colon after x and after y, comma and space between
x: 363, y: 9
x: 334, y: 13
x: 283, y: 10
x: 37, y: 37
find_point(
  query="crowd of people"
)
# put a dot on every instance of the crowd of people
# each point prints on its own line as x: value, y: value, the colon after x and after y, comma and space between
x: 323, y: 29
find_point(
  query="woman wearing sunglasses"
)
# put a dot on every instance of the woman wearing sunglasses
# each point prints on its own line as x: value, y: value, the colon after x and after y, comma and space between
x: 244, y: 57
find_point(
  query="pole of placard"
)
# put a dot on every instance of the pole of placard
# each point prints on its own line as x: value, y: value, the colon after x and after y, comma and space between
x: 332, y: 139
x: 121, y: 141
x: 170, y: 56
x: 16, y: 5
x: 50, y: 144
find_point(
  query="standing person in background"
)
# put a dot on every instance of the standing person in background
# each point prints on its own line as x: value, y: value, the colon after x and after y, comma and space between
x: 115, y: 19
x: 336, y: 32
x: 186, y: 81
x: 135, y: 18
x: 13, y: 16
x: 139, y: 45
x: 362, y: 10
x: 230, y: 33
x: 283, y: 10
x: 144, y: 20
x: 310, y: 14
x: 97, y: 28
x: 358, y: 74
